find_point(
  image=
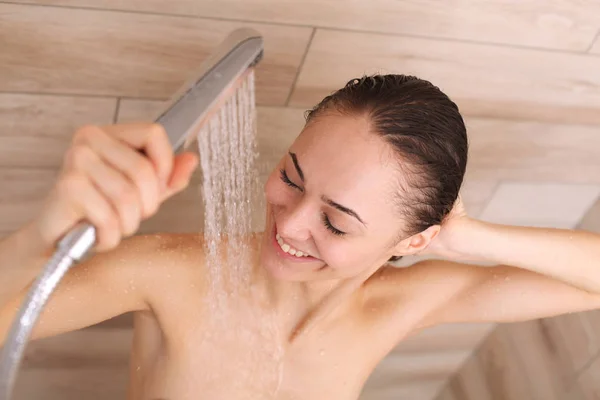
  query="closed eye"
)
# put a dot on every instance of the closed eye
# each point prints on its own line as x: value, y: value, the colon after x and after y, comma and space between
x: 287, y: 180
x: 330, y: 227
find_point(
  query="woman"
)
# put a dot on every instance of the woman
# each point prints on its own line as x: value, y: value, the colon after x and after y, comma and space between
x: 374, y: 175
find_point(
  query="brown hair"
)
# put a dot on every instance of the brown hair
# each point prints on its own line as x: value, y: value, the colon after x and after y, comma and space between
x: 425, y: 129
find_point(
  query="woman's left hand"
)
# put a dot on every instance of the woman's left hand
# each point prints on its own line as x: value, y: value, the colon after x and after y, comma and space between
x: 453, y: 236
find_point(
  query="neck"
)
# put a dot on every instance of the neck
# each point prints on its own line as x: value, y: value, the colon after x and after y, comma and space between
x: 303, y: 305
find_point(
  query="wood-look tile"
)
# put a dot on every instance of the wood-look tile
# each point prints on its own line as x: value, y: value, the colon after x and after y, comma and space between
x: 501, y: 366
x: 497, y: 76
x: 129, y: 54
x: 37, y: 129
x: 89, y: 363
x: 591, y: 219
x: 540, y: 204
x: 588, y: 381
x: 475, y: 194
x: 407, y: 391
x: 468, y: 383
x: 572, y: 338
x: 533, y: 151
x: 136, y: 110
x: 447, y: 337
x: 124, y: 321
x: 553, y: 24
x: 72, y: 383
x: 446, y: 394
x: 399, y: 368
x: 87, y: 348
x: 537, y: 352
x: 22, y: 195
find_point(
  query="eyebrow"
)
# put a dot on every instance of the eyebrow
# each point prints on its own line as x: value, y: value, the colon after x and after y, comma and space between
x: 342, y: 208
x: 327, y: 200
x: 298, y: 169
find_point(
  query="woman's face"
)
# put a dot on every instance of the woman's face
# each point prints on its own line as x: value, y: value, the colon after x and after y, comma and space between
x: 332, y: 197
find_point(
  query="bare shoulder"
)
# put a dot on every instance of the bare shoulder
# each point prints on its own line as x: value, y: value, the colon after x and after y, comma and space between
x: 404, y: 296
x: 162, y: 259
x: 129, y: 278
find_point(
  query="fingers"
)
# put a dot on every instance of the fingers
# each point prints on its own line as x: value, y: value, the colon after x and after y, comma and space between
x: 152, y: 139
x: 114, y: 176
x: 93, y: 205
x: 119, y: 160
x: 183, y: 168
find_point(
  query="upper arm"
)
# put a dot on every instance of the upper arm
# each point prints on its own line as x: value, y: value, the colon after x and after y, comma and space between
x: 103, y: 286
x: 458, y: 292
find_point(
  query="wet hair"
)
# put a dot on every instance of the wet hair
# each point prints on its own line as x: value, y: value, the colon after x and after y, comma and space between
x: 426, y: 131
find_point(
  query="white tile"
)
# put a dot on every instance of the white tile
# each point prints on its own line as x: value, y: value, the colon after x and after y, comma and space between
x: 540, y: 205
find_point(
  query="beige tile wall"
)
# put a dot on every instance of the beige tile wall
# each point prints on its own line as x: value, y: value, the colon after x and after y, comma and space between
x: 518, y: 70
x: 556, y: 25
x: 500, y: 78
x: 129, y: 54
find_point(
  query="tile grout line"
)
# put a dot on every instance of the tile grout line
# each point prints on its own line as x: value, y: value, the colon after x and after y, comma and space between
x: 507, y: 117
x: 474, y: 353
x: 58, y: 94
x: 89, y: 95
x: 117, y: 110
x: 594, y: 40
x: 300, y: 67
x: 516, y: 355
x: 329, y: 28
x: 585, y: 367
x: 587, y: 211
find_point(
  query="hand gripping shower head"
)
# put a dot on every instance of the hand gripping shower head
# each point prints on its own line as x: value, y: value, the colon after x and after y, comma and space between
x: 190, y: 107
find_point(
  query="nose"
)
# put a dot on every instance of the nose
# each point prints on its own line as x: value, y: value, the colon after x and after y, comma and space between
x: 294, y: 221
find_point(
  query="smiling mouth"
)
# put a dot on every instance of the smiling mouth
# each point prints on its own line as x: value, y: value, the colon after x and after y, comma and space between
x: 289, y: 249
x: 289, y: 252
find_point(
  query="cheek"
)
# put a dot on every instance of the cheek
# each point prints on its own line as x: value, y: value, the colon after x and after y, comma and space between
x: 343, y: 255
x: 352, y: 257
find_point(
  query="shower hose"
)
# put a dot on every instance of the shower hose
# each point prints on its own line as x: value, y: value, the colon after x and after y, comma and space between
x: 70, y: 250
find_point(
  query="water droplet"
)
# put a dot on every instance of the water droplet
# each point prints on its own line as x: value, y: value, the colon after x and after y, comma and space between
x: 322, y: 353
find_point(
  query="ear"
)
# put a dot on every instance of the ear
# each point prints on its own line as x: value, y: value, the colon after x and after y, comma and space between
x: 418, y: 242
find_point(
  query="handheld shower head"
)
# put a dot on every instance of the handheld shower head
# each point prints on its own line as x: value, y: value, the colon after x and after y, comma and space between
x: 210, y: 87
x: 189, y: 108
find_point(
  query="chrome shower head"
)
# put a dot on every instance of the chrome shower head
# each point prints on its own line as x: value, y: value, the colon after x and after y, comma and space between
x: 211, y: 86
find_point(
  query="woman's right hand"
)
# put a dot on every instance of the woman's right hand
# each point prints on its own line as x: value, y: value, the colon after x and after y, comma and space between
x: 108, y: 181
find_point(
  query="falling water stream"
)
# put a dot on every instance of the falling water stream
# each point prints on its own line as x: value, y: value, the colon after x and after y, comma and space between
x: 228, y: 157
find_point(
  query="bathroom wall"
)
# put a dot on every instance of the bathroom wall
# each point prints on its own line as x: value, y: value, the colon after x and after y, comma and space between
x: 549, y: 359
x: 524, y: 74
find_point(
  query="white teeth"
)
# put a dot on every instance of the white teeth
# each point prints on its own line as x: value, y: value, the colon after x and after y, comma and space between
x: 289, y: 249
